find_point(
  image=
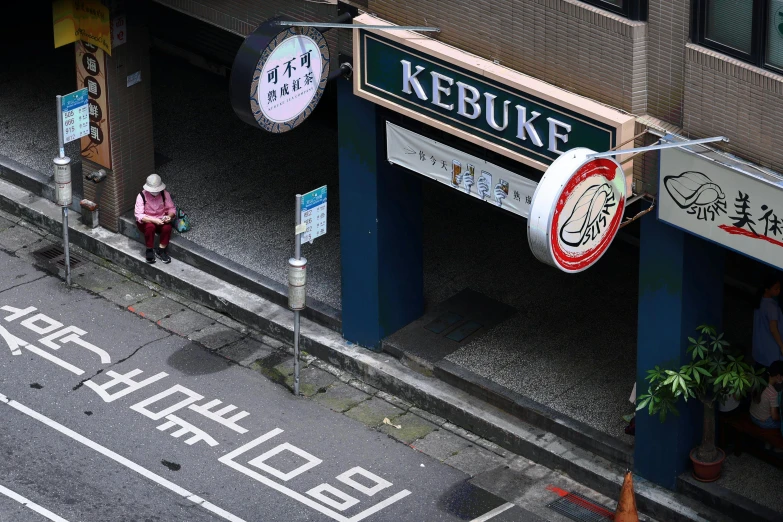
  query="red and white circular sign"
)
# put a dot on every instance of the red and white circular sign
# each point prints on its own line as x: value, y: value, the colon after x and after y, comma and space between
x: 576, y: 210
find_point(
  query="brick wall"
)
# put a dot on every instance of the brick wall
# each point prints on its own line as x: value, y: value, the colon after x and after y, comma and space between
x: 727, y: 97
x: 668, y: 32
x: 565, y: 42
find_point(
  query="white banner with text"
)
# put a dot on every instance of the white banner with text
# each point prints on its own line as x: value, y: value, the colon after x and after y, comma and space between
x: 461, y: 171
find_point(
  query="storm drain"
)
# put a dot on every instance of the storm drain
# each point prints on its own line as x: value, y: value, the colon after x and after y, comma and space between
x: 55, y: 255
x: 576, y: 507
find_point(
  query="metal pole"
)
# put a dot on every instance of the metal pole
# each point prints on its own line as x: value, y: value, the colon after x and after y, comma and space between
x: 328, y: 25
x: 60, y: 138
x: 670, y: 145
x: 67, y: 252
x: 297, y: 256
x: 61, y: 144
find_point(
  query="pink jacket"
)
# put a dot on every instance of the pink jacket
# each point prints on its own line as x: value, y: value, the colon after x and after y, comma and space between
x: 154, y: 208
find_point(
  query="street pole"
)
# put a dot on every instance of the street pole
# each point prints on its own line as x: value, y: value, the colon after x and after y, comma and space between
x: 297, y: 278
x: 297, y: 256
x: 62, y: 180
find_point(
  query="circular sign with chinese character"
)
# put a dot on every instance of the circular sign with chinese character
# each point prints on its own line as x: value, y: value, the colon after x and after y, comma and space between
x: 278, y: 78
x: 576, y: 210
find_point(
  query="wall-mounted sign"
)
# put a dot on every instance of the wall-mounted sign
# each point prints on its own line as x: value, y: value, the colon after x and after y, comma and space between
x: 314, y: 214
x: 460, y: 171
x: 278, y: 77
x: 462, y: 94
x: 119, y: 31
x: 576, y: 211
x: 91, y: 75
x: 723, y: 205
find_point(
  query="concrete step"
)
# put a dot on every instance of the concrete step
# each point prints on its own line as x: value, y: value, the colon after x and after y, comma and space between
x: 377, y: 369
x: 223, y: 268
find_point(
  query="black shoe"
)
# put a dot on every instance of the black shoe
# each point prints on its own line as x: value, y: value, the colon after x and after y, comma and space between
x: 150, y: 256
x: 162, y: 255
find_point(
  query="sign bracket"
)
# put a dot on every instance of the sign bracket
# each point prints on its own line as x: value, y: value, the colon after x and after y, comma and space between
x: 658, y: 146
x: 330, y: 25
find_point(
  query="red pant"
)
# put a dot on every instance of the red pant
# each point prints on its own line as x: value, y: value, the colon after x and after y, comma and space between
x: 150, y: 229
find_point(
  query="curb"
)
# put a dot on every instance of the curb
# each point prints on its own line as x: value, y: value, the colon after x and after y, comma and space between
x: 536, y: 414
x: 377, y: 369
x: 238, y: 275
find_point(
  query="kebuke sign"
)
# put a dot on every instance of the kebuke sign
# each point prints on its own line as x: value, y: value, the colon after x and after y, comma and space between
x: 500, y: 109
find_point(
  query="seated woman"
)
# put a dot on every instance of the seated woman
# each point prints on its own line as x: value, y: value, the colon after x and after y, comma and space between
x: 764, y: 409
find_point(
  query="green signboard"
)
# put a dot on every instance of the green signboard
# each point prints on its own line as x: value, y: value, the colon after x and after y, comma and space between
x: 487, y: 109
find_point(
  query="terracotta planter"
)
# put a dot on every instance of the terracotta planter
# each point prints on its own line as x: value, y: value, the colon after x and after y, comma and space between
x: 707, y: 472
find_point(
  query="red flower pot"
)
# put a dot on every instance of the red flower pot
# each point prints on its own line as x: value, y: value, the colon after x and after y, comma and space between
x: 707, y: 471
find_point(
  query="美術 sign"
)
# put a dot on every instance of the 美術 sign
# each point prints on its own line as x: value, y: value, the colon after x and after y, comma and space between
x: 279, y: 76
x: 76, y: 115
x: 738, y: 210
x: 314, y: 214
x: 502, y: 110
x: 461, y: 171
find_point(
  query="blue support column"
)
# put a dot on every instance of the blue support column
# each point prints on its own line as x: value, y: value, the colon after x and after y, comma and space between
x: 680, y: 287
x: 380, y: 228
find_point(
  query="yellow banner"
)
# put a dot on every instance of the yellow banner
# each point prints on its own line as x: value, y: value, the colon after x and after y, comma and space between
x: 64, y: 23
x: 85, y: 20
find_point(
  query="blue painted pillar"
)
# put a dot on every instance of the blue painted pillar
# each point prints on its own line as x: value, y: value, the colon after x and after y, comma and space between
x: 680, y: 288
x: 380, y: 228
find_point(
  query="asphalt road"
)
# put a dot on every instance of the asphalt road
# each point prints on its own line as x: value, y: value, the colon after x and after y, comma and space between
x: 79, y: 441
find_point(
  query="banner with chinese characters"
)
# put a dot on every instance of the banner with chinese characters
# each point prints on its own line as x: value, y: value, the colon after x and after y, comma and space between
x: 86, y: 20
x: 91, y: 75
x: 461, y: 171
x: 735, y: 209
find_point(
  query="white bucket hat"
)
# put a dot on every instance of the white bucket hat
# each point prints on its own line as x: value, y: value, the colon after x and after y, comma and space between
x: 154, y: 184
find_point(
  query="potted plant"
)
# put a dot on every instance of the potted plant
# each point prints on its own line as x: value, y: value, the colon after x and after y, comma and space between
x: 715, y: 372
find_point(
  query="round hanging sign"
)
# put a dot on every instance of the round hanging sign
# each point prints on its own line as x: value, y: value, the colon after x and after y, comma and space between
x: 576, y: 210
x: 278, y: 77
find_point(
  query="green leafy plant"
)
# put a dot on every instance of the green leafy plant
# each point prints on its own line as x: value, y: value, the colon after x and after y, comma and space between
x: 715, y: 372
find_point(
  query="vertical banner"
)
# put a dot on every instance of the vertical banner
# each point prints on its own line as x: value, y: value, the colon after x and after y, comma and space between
x: 91, y: 75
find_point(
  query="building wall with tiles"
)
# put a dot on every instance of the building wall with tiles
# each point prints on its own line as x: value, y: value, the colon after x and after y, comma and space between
x: 727, y: 97
x: 570, y: 44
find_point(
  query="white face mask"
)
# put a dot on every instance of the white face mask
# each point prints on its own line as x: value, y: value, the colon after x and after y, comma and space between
x: 155, y: 194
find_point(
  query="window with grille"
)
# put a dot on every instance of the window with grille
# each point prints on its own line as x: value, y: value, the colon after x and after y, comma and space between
x: 749, y: 30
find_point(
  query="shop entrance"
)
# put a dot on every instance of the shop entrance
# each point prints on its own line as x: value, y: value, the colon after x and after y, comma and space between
x: 496, y: 316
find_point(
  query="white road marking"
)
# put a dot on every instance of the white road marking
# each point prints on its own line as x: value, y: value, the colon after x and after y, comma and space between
x: 56, y: 360
x: 120, y: 460
x: 495, y: 512
x: 31, y: 505
x: 228, y: 460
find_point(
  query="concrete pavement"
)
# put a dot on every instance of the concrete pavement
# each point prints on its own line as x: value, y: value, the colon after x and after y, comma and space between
x: 164, y: 449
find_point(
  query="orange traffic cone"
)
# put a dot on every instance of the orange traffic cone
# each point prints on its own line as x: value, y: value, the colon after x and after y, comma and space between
x: 626, y: 507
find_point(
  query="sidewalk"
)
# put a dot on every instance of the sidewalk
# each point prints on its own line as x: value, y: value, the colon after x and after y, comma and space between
x: 245, y: 327
x: 493, y: 469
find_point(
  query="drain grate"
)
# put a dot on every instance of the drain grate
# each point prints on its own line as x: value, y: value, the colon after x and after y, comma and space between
x: 576, y: 507
x: 55, y: 255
